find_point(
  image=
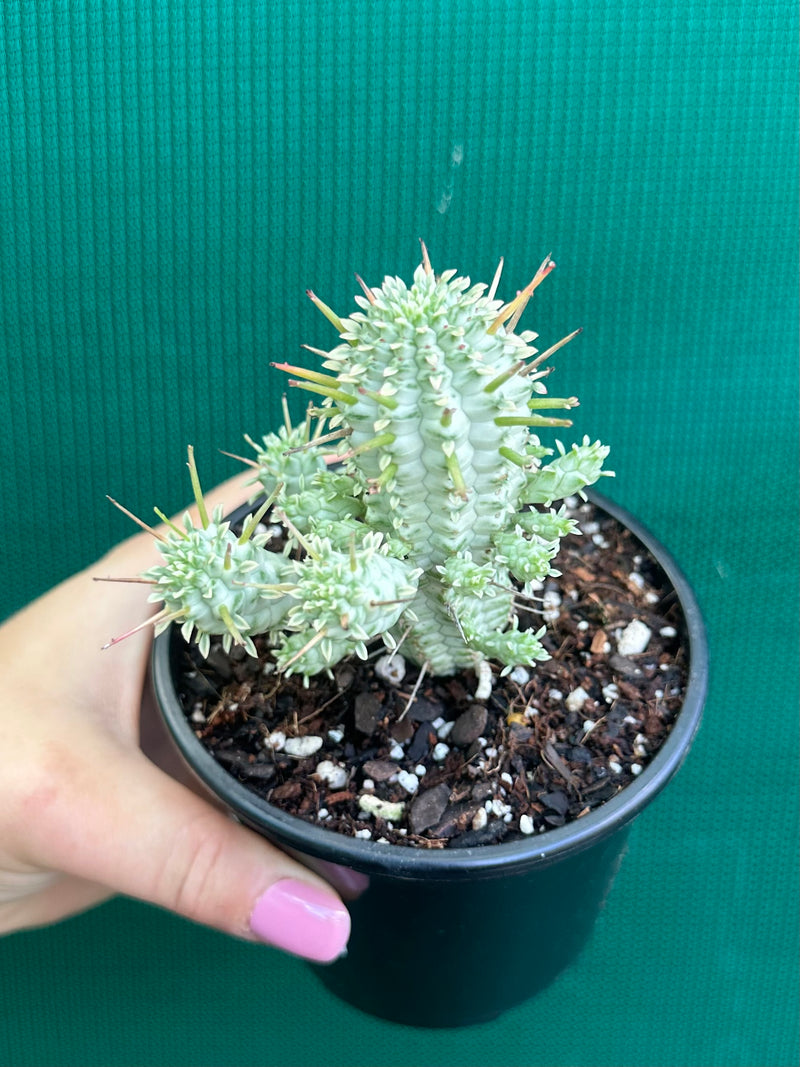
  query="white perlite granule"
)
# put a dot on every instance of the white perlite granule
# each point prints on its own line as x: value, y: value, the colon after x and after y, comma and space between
x: 551, y: 605
x: 331, y: 773
x: 391, y: 668
x: 408, y: 781
x: 634, y: 639
x: 276, y: 740
x: 300, y: 747
x: 576, y: 699
x: 484, y: 689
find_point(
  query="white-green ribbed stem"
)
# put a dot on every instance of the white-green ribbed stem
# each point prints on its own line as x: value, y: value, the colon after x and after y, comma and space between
x: 427, y: 348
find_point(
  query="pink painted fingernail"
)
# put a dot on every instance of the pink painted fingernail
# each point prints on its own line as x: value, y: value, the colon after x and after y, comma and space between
x: 348, y: 883
x: 301, y: 919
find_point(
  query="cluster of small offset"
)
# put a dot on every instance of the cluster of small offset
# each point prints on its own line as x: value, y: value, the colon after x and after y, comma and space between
x: 418, y: 502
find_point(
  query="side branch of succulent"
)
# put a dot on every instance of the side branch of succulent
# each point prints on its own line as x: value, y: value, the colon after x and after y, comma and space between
x: 416, y: 498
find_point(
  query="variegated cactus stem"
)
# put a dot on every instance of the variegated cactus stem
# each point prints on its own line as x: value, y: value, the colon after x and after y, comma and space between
x: 286, y: 460
x: 212, y: 581
x: 436, y: 399
x: 316, y: 610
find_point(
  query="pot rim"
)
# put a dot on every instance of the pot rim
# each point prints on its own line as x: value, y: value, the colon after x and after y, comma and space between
x: 372, y: 857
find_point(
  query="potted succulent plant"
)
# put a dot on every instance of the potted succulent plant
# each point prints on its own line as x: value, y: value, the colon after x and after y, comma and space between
x: 379, y: 665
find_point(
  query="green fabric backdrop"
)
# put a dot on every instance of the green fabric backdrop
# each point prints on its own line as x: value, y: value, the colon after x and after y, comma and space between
x: 174, y: 176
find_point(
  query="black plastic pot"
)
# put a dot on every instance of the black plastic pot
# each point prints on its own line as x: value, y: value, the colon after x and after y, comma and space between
x: 454, y: 937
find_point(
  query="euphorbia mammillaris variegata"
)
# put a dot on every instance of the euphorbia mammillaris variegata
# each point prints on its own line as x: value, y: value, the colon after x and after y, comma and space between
x: 437, y: 517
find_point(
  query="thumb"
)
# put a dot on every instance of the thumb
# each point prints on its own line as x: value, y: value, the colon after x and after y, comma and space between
x: 125, y: 824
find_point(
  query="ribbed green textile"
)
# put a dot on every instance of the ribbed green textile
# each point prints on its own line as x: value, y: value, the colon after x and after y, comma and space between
x: 173, y: 175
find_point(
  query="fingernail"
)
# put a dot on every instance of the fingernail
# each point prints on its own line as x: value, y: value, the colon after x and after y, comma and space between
x: 301, y: 919
x: 348, y: 883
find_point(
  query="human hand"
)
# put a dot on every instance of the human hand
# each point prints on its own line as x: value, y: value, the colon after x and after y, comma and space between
x: 84, y: 813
